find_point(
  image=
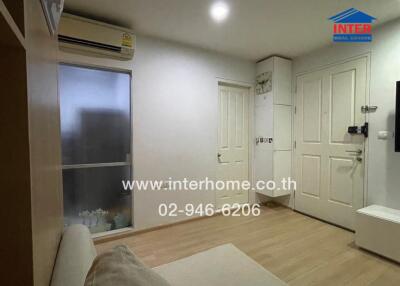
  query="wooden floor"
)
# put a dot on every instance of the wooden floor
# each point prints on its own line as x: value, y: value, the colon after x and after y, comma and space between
x: 298, y: 249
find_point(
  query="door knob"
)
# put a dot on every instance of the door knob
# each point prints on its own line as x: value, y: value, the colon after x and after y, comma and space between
x: 219, y: 155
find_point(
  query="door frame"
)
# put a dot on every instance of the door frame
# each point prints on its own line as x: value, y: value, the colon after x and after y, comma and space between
x: 367, y: 102
x: 251, y: 143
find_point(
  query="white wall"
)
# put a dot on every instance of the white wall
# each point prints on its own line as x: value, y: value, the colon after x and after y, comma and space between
x: 175, y: 104
x: 383, y: 163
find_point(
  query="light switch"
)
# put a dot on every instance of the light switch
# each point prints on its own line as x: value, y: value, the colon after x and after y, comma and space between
x: 383, y: 135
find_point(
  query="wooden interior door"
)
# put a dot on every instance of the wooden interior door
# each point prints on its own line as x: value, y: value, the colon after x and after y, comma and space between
x: 233, y: 147
x: 329, y: 160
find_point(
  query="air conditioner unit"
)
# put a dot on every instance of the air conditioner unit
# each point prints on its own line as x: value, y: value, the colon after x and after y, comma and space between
x: 77, y: 34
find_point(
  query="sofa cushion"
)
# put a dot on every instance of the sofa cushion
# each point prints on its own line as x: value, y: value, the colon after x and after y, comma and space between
x: 119, y: 266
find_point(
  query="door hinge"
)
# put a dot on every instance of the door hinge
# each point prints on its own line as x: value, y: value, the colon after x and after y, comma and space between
x: 295, y: 144
x: 295, y: 109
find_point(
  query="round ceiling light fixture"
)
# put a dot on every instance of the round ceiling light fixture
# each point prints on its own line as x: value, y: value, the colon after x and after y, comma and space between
x: 219, y: 11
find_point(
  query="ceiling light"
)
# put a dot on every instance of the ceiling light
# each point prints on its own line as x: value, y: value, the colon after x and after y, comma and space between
x: 219, y: 11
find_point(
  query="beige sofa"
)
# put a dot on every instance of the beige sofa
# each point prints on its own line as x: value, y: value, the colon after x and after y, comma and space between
x: 223, y: 265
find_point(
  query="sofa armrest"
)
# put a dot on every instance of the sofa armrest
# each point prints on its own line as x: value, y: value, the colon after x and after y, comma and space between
x: 75, y: 257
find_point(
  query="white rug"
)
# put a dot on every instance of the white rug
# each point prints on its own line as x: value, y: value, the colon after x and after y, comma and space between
x: 221, y: 266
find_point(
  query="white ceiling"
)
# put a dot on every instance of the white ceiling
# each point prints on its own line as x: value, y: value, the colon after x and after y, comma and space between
x: 254, y: 30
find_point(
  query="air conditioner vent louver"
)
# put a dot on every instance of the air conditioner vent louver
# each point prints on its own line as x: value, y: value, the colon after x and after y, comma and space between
x: 87, y: 43
x: 79, y: 34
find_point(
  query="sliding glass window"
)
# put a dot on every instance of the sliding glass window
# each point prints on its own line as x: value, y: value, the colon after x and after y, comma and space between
x: 96, y: 147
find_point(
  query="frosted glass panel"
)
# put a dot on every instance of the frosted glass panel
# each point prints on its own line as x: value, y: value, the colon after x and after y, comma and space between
x: 88, y: 190
x: 95, y: 115
x: 96, y: 143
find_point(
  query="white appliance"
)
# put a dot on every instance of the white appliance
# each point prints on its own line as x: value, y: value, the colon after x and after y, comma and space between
x: 378, y: 230
x: 77, y: 34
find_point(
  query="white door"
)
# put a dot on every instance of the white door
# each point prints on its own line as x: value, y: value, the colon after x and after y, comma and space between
x: 233, y: 137
x: 329, y: 161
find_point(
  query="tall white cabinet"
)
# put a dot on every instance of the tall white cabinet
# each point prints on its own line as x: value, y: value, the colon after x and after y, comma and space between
x: 273, y: 123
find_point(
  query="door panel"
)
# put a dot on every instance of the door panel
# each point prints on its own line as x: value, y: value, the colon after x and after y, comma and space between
x: 224, y: 107
x: 309, y: 133
x: 340, y: 183
x: 232, y: 142
x: 263, y: 153
x: 311, y: 175
x: 329, y: 172
x: 282, y: 123
x: 342, y: 105
x: 312, y: 110
x: 282, y: 163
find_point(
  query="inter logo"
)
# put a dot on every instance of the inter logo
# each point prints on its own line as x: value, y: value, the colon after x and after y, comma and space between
x: 352, y: 25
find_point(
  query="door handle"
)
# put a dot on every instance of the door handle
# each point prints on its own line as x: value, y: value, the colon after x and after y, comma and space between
x: 219, y: 155
x: 355, y: 152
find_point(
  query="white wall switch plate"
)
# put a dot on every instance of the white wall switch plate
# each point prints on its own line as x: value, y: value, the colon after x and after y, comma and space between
x: 383, y: 135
